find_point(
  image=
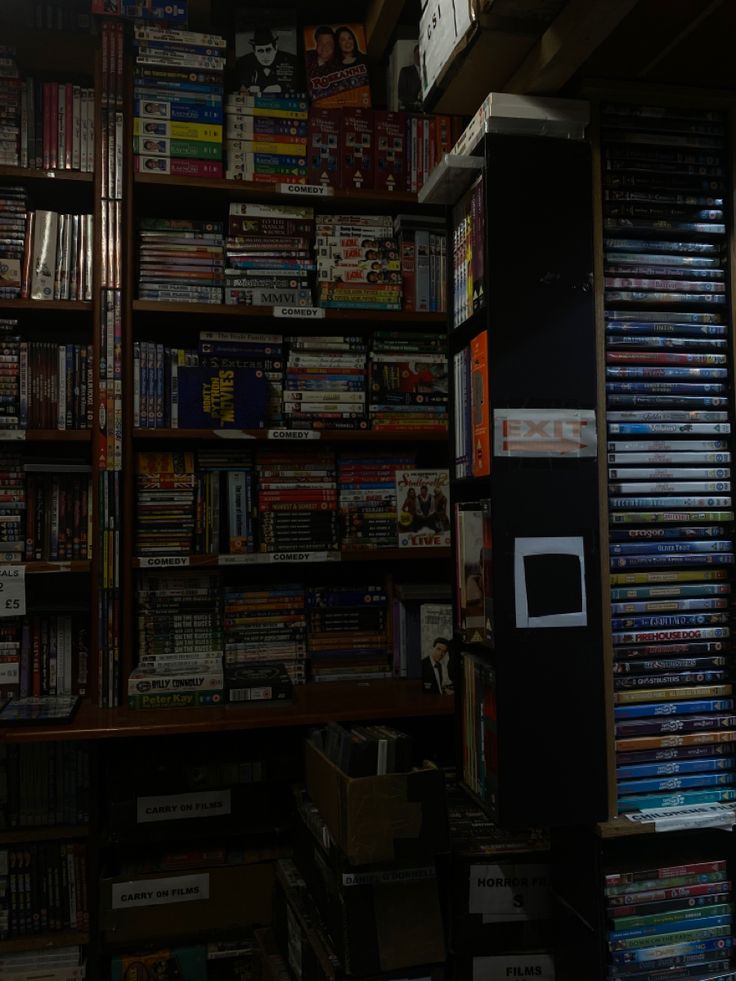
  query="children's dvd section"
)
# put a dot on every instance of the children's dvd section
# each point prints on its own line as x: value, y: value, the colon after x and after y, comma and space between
x: 668, y: 390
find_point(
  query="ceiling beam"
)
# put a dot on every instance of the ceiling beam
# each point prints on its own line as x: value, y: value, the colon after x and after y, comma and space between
x: 679, y: 38
x: 381, y: 19
x: 566, y: 45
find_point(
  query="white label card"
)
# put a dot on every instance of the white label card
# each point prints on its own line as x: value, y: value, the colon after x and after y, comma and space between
x: 307, y: 190
x: 299, y: 313
x: 297, y: 434
x: 12, y: 590
x: 545, y: 433
x: 687, y: 817
x: 442, y: 27
x: 160, y: 892
x: 513, y: 967
x: 10, y: 673
x: 12, y: 434
x: 509, y: 892
x: 254, y: 558
x: 176, y: 807
x: 163, y: 561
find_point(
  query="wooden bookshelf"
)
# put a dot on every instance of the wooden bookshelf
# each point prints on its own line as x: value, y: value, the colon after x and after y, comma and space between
x: 312, y: 704
x: 44, y: 941
x: 45, y: 306
x: 621, y: 827
x: 246, y: 312
x: 45, y: 435
x: 53, y: 832
x: 255, y: 191
x: 262, y: 435
x: 31, y: 174
x: 70, y: 565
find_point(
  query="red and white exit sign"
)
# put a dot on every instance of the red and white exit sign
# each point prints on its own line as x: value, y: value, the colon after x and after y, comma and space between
x: 545, y: 433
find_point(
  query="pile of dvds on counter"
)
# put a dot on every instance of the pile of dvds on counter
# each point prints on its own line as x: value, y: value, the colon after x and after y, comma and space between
x: 671, y: 921
x: 670, y: 503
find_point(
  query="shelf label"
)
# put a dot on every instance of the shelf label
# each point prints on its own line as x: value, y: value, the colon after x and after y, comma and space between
x: 163, y: 561
x: 507, y: 967
x: 299, y: 313
x: 307, y: 190
x: 12, y: 590
x: 294, y: 434
x: 6, y: 435
x: 253, y: 558
x: 232, y: 434
x: 545, y: 433
x: 688, y: 816
x: 10, y: 673
x: 160, y: 892
x: 304, y: 557
x: 177, y: 807
x: 509, y: 892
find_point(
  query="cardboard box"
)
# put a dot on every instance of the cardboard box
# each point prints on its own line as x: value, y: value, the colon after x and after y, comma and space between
x: 304, y: 943
x: 380, y: 819
x: 382, y: 918
x: 185, y: 904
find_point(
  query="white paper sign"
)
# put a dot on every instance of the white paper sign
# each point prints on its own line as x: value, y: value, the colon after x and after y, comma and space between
x: 251, y: 558
x: 299, y: 313
x: 163, y: 561
x: 12, y: 434
x: 443, y: 26
x: 305, y: 557
x: 514, y: 967
x: 525, y: 587
x: 10, y: 673
x: 509, y: 892
x: 232, y: 434
x: 306, y: 190
x: 12, y: 590
x: 569, y: 433
x: 691, y: 816
x: 161, y: 892
x: 294, y: 434
x: 176, y: 807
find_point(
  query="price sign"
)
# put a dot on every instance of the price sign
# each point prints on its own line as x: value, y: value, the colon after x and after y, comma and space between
x: 12, y: 590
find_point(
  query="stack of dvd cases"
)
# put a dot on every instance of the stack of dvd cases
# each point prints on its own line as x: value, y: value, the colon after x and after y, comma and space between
x: 670, y: 503
x: 347, y: 633
x: 297, y: 498
x: 166, y: 492
x: 181, y: 260
x: 266, y: 138
x: 10, y: 89
x: 673, y: 921
x: 266, y: 626
x: 368, y: 506
x: 324, y: 385
x: 358, y: 262
x: 178, y: 90
x: 13, y: 218
x: 408, y: 382
x: 269, y: 253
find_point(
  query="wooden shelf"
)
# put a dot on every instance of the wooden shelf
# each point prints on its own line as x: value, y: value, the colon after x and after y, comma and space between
x: 621, y: 827
x: 45, y: 435
x: 44, y: 941
x: 39, y: 306
x: 31, y: 174
x: 315, y: 435
x: 246, y: 312
x: 312, y: 704
x: 249, y: 190
x: 71, y: 565
x: 53, y: 832
x: 170, y: 562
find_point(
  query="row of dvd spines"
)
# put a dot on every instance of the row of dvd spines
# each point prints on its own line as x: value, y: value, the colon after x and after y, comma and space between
x: 671, y: 544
